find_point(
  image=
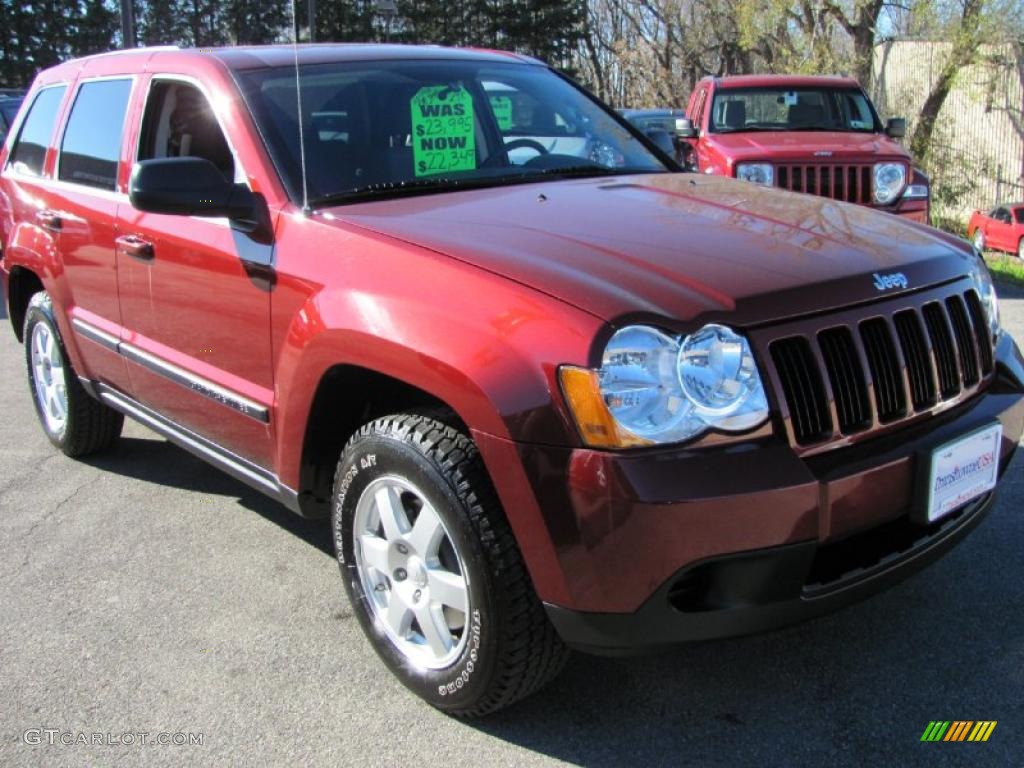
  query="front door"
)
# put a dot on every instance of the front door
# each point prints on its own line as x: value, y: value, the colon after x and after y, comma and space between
x: 999, y: 230
x: 196, y: 317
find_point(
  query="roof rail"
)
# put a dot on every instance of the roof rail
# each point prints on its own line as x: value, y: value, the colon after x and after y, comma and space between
x: 141, y: 49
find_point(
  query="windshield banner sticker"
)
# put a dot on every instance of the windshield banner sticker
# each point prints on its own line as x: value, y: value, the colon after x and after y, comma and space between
x: 442, y: 129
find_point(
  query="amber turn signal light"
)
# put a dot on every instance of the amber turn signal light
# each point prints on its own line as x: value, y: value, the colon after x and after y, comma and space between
x: 596, y: 425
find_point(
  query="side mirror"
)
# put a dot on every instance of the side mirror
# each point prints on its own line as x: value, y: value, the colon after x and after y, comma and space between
x: 896, y: 127
x: 685, y: 128
x: 662, y: 140
x: 190, y: 186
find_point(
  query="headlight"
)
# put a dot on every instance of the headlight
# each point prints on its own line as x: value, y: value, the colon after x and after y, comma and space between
x: 653, y: 388
x: 759, y: 173
x: 987, y: 293
x: 889, y: 180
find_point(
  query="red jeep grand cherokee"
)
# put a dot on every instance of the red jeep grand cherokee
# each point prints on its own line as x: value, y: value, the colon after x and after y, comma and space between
x: 547, y: 398
x: 819, y: 135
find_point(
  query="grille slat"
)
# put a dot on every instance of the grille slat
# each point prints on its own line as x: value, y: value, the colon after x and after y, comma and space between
x: 847, y: 378
x: 917, y: 357
x: 890, y: 400
x: 803, y: 389
x: 942, y: 345
x: 981, y: 333
x: 964, y: 340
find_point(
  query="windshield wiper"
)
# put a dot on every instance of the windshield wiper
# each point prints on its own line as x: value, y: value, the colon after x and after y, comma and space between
x: 588, y: 170
x: 449, y: 184
x: 817, y: 128
x: 401, y: 188
x: 748, y: 129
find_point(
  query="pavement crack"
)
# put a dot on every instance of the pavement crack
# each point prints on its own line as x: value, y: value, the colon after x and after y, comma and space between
x: 46, y: 517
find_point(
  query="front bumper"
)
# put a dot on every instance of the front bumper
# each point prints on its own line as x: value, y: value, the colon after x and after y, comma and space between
x: 637, y: 550
x: 757, y: 591
x: 917, y: 210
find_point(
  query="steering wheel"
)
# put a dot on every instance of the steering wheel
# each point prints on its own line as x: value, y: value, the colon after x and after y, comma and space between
x: 526, y: 144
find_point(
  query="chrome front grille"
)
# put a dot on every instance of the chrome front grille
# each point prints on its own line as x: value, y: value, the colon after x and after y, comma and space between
x: 858, y: 372
x: 849, y: 183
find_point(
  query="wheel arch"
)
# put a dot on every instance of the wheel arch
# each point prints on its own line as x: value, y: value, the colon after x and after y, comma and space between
x: 334, y: 417
x: 22, y: 284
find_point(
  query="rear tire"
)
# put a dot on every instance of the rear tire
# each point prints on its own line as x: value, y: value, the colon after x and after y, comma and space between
x: 1020, y: 249
x: 72, y: 419
x: 432, y: 569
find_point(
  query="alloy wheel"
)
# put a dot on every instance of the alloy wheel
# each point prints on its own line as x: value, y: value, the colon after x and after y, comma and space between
x: 411, y: 572
x: 48, y: 377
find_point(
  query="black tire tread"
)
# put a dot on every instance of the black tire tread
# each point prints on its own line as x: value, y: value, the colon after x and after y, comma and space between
x: 531, y: 652
x: 91, y: 425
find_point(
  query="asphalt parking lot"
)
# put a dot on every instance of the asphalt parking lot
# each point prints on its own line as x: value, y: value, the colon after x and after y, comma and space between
x: 143, y: 591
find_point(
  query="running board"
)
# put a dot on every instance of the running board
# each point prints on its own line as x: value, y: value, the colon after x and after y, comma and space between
x: 226, y: 461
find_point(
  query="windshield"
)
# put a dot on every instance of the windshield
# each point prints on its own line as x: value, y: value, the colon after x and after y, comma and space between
x: 796, y: 109
x: 377, y: 128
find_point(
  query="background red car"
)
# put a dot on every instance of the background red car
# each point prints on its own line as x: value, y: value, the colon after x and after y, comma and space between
x: 1001, y: 229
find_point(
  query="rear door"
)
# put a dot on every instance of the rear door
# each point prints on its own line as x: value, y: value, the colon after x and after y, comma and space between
x: 84, y: 197
x: 195, y: 303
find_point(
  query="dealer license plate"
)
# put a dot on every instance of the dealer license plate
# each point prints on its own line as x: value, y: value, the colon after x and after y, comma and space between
x: 963, y: 470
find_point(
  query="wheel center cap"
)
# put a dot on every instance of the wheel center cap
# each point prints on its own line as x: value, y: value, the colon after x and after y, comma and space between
x: 417, y: 572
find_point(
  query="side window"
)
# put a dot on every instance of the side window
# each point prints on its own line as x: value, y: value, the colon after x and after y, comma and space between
x: 92, y: 139
x: 1019, y: 215
x: 179, y: 122
x: 36, y: 131
x: 531, y: 124
x: 519, y: 113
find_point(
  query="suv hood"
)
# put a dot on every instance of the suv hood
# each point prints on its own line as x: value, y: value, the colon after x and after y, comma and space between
x: 788, y: 146
x: 675, y: 246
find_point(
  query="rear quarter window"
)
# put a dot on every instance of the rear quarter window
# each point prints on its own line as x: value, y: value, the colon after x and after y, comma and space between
x: 29, y: 149
x: 92, y: 140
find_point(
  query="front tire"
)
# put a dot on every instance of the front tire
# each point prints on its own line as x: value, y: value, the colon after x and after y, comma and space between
x: 73, y: 421
x: 432, y: 569
x: 1020, y: 249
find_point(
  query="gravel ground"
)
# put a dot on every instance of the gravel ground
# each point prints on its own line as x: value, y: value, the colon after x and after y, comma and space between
x: 143, y: 591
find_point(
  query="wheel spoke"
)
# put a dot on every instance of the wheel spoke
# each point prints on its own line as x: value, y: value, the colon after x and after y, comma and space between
x: 427, y: 533
x: 375, y: 552
x: 398, y: 616
x: 435, y: 630
x: 392, y: 517
x: 448, y: 588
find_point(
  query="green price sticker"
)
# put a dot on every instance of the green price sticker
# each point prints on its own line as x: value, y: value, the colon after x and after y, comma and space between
x: 442, y: 130
x: 502, y: 108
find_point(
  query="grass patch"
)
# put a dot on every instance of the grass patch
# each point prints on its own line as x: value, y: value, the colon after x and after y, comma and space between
x: 1008, y: 269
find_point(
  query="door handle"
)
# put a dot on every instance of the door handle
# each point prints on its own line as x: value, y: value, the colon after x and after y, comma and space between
x: 49, y: 220
x: 135, y: 247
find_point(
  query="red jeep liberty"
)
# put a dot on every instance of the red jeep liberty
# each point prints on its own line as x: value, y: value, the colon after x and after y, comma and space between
x: 819, y: 135
x: 550, y: 394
